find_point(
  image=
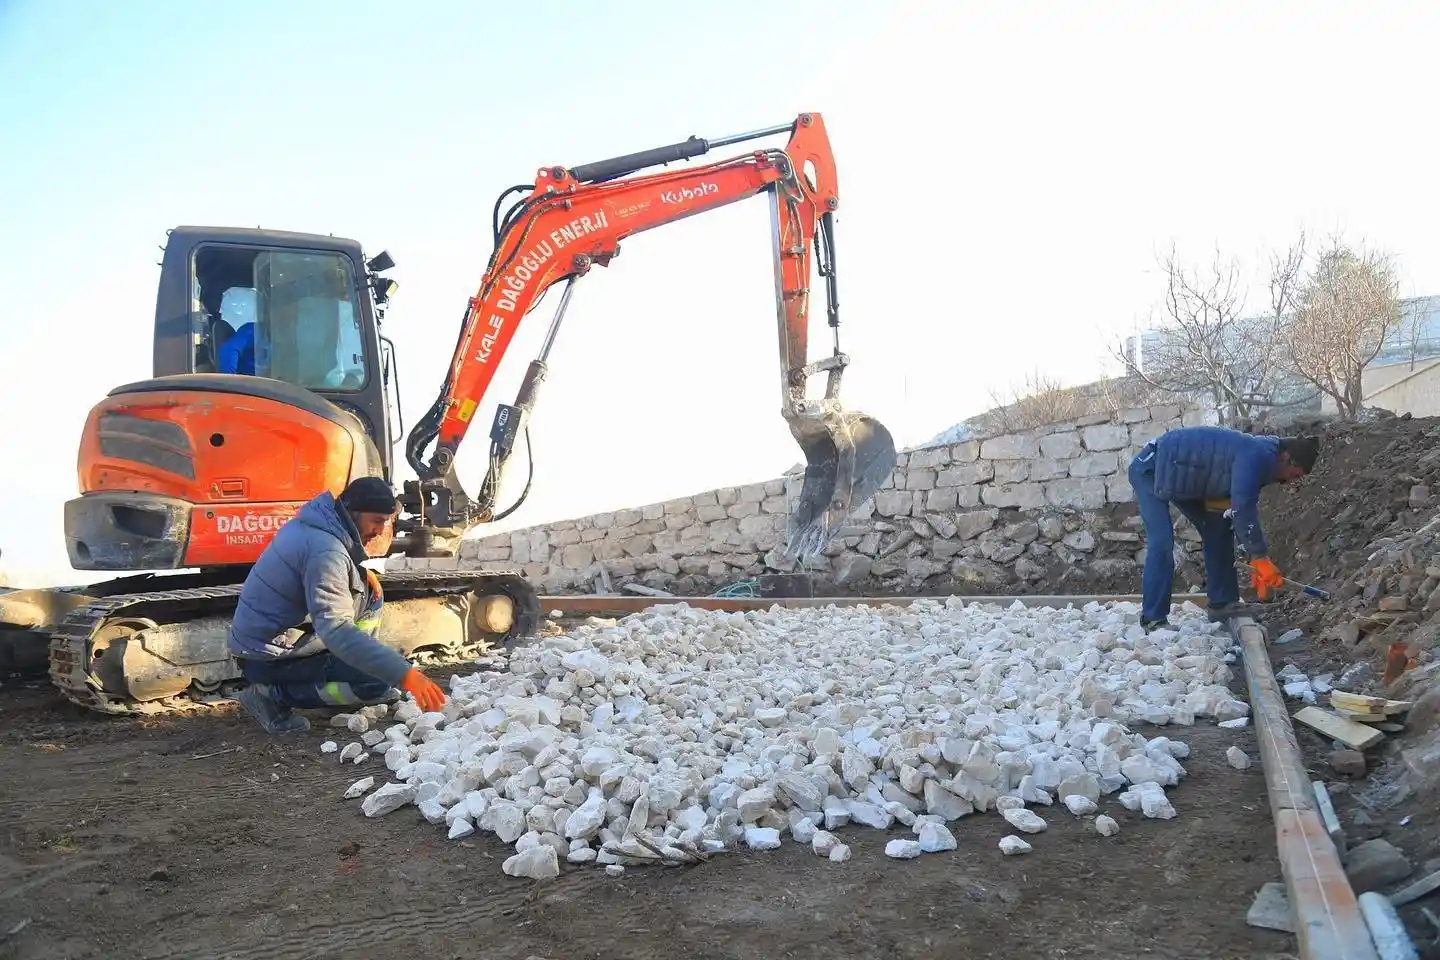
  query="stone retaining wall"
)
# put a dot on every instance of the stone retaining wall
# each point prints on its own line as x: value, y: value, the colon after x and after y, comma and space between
x: 1045, y: 510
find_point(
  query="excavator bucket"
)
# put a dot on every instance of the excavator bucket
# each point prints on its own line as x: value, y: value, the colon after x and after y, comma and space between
x: 848, y: 456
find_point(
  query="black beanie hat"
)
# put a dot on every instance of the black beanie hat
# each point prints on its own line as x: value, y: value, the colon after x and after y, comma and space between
x: 1304, y: 451
x: 368, y: 495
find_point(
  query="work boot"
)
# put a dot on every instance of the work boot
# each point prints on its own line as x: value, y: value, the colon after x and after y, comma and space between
x: 1219, y: 613
x: 272, y: 716
x: 1149, y: 626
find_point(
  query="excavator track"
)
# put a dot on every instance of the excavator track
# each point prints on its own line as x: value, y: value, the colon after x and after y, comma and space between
x: 72, y: 665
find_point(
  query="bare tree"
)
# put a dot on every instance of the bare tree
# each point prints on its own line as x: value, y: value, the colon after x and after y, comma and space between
x: 1343, y: 311
x: 1207, y: 344
x: 1038, y: 400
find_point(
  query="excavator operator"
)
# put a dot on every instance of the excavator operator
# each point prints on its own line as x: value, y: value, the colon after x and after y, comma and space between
x: 312, y: 568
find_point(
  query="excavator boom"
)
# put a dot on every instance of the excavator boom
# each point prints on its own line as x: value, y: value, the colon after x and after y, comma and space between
x: 574, y: 219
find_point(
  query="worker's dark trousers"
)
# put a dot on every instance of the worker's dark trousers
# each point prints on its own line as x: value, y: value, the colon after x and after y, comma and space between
x: 1222, y: 584
x: 319, y: 680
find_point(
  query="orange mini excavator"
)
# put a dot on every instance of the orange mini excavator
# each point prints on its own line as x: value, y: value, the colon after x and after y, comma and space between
x: 272, y: 382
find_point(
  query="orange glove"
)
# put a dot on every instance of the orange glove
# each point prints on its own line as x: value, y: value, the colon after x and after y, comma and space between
x: 1264, y: 577
x: 425, y: 691
x: 374, y: 583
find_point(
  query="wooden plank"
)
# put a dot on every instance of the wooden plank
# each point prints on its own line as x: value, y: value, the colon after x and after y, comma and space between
x: 1370, y: 706
x: 1325, y: 912
x: 1356, y: 736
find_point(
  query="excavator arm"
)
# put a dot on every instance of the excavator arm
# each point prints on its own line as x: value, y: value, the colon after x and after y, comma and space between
x: 574, y: 219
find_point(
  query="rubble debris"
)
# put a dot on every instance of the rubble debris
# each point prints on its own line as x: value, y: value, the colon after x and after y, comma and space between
x: 1237, y: 758
x: 1271, y: 909
x: 1348, y: 763
x: 1374, y: 864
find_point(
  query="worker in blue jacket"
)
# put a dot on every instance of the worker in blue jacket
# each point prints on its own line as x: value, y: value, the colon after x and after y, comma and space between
x: 1213, y: 475
x: 305, y: 631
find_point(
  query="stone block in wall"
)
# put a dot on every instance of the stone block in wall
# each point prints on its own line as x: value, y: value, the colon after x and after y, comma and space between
x: 942, y: 524
x: 752, y: 493
x: 920, y: 479
x: 678, y: 506
x: 652, y: 511
x: 1142, y: 433
x: 1107, y: 436
x: 966, y: 474
x: 711, y: 512
x: 727, y: 496
x: 1026, y: 496
x: 1196, y: 418
x: 745, y: 508
x: 1012, y: 471
x: 942, y: 498
x: 1012, y: 446
x: 774, y: 505
x: 577, y: 555
x: 1095, y: 464
x: 1082, y: 540
x: 971, y: 524
x: 1049, y: 469
x: 1117, y: 489
x: 775, y: 488
x: 967, y: 452
x: 1061, y: 446
x: 1092, y: 419
x: 628, y: 517
x: 590, y: 535
x: 930, y: 458
x: 1172, y: 411
x: 893, y: 503
x: 1078, y: 494
x: 1133, y: 415
x: 851, y: 568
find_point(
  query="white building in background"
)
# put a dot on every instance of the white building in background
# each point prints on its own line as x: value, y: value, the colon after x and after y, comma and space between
x: 1403, y: 378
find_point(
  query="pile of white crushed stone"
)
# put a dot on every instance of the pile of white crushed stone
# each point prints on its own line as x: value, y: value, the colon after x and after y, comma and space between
x: 679, y: 733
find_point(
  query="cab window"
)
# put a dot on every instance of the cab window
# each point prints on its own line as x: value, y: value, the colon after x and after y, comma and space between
x: 288, y: 314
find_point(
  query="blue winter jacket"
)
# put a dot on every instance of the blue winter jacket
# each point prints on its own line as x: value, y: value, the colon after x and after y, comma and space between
x: 312, y: 569
x: 1213, y: 463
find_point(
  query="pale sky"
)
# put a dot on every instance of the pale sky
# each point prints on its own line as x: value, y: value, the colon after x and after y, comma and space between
x: 1007, y: 175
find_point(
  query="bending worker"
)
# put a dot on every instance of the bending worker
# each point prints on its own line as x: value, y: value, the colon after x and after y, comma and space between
x: 312, y: 569
x: 1203, y: 471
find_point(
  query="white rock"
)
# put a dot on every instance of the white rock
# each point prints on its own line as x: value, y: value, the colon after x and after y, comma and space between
x: 839, y: 853
x: 1106, y: 826
x: 1027, y: 821
x: 329, y: 746
x: 614, y: 869
x: 537, y: 863
x: 460, y: 827
x: 390, y: 797
x: 1012, y: 845
x: 1080, y: 806
x: 902, y: 849
x: 1239, y: 723
x: 357, y: 723
x: 359, y: 787
x: 695, y: 725
x: 936, y: 838
x: 351, y: 751
x: 1237, y: 758
x: 762, y: 838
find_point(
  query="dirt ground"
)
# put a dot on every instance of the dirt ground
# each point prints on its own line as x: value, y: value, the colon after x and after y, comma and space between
x: 149, y: 840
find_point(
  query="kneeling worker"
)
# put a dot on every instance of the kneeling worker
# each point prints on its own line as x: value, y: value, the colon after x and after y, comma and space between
x: 312, y: 568
x: 1203, y: 471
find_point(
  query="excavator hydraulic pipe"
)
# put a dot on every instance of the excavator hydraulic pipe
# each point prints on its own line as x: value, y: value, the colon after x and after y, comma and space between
x: 602, y: 170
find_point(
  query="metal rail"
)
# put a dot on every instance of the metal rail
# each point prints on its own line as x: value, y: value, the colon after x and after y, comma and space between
x: 1324, y: 909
